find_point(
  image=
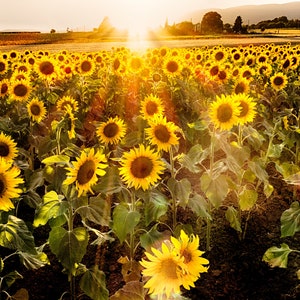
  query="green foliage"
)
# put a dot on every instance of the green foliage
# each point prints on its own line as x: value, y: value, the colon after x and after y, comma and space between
x: 69, y: 246
x: 277, y: 257
x: 93, y: 284
x: 124, y: 221
x: 290, y: 220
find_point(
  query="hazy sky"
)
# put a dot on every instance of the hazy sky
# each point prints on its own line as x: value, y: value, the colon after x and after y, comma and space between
x: 136, y: 15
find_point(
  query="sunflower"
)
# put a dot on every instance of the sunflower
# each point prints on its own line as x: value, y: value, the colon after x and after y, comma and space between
x: 247, y: 106
x: 8, y: 148
x: 241, y: 86
x: 85, y: 170
x: 86, y: 66
x: 278, y: 81
x: 67, y: 100
x: 162, y: 133
x: 4, y: 88
x: 36, y: 110
x: 151, y: 105
x: 3, y: 66
x: 46, y: 68
x: 187, y: 247
x: 20, y: 90
x: 9, y: 181
x: 135, y: 64
x: 141, y: 167
x: 172, y: 66
x: 224, y: 112
x: 166, y: 271
x: 112, y: 131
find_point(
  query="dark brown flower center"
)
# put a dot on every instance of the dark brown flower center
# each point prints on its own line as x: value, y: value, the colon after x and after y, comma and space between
x: 20, y: 90
x: 151, y: 108
x: 86, y: 66
x: 162, y: 133
x: 219, y: 56
x: 4, y: 88
x: 240, y: 88
x: 111, y: 130
x: 2, y: 185
x: 224, y: 113
x: 278, y: 80
x: 141, y: 167
x: 35, y: 109
x: 244, y: 109
x: 172, y: 66
x: 46, y: 68
x: 187, y: 256
x: 4, y: 149
x: 214, y: 70
x: 86, y: 172
x: 2, y: 66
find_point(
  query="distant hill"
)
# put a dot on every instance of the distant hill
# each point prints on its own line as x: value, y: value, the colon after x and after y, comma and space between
x: 251, y: 14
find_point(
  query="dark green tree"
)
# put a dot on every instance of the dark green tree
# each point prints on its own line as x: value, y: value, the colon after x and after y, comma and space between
x: 211, y: 23
x: 238, y: 27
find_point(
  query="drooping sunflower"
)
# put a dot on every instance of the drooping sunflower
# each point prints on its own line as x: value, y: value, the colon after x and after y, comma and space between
x: 150, y: 106
x: 36, y: 110
x: 141, y: 167
x: 166, y: 271
x: 112, y: 131
x: 279, y: 81
x: 8, y: 147
x: 247, y: 106
x: 9, y: 181
x: 20, y: 90
x: 224, y: 112
x: 67, y: 100
x: 162, y: 133
x: 85, y: 170
x: 187, y: 247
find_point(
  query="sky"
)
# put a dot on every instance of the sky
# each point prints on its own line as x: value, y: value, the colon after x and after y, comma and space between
x: 84, y: 15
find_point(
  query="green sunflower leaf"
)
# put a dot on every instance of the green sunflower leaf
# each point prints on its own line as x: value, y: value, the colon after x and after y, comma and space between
x: 277, y: 257
x: 52, y: 207
x: 93, y: 284
x: 69, y: 246
x: 290, y: 220
x: 124, y: 221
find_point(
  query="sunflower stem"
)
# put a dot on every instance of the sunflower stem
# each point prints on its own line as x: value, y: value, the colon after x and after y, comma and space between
x: 174, y: 206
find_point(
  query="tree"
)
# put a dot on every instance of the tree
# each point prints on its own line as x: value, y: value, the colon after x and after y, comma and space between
x: 238, y: 27
x: 211, y: 23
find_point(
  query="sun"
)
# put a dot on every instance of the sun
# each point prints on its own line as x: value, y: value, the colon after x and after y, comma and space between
x: 138, y: 18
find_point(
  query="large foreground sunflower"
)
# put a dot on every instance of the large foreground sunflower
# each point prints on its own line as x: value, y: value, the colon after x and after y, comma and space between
x: 112, y: 131
x: 85, y: 170
x: 8, y: 148
x: 9, y: 181
x: 162, y: 133
x: 36, y: 110
x: 141, y: 167
x: 224, y: 112
x: 166, y: 271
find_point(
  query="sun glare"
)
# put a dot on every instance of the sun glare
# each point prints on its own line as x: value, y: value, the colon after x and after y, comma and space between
x: 138, y: 17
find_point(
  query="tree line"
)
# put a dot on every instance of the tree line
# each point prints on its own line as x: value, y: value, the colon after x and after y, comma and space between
x: 212, y: 23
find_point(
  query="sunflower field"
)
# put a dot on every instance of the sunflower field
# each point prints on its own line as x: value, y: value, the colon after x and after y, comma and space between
x: 136, y: 153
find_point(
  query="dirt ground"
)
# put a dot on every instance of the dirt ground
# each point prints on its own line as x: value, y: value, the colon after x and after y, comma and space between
x: 236, y: 270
